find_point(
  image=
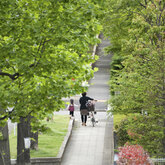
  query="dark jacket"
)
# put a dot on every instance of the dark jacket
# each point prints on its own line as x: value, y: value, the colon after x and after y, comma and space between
x: 83, y: 100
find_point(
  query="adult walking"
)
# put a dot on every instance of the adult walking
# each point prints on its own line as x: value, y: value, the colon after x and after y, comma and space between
x: 83, y: 108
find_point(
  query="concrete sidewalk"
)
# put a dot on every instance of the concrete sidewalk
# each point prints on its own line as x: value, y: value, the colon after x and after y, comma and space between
x: 93, y: 145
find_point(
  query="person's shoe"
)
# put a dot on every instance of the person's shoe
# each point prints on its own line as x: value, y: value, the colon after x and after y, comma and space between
x: 83, y: 124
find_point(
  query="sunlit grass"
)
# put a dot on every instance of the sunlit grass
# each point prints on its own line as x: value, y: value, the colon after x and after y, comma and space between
x: 50, y: 142
x: 117, y: 118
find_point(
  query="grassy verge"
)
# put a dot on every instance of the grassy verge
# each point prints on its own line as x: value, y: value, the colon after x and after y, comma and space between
x: 50, y: 142
x: 117, y: 118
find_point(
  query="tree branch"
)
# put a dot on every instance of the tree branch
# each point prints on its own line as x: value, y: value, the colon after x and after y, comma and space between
x: 13, y: 77
x: 142, y: 5
x: 40, y: 49
x: 153, y: 3
x: 8, y: 115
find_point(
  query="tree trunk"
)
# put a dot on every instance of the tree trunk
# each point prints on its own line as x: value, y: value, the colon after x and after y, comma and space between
x: 34, y: 141
x: 23, y: 131
x: 4, y: 146
x: 164, y: 123
x: 164, y: 138
x: 34, y: 138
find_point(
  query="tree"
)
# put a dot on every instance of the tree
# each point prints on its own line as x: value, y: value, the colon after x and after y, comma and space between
x: 141, y: 79
x: 4, y: 145
x: 44, y: 45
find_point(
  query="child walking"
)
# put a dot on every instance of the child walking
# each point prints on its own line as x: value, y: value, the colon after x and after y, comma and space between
x: 71, y: 107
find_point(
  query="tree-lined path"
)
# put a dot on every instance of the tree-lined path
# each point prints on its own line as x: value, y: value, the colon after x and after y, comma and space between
x: 93, y: 145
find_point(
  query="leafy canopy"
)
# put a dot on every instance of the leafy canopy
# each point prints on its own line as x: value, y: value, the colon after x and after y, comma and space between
x: 136, y: 30
x: 45, y: 53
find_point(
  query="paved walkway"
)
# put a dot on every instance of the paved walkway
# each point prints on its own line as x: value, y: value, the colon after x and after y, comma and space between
x: 93, y: 145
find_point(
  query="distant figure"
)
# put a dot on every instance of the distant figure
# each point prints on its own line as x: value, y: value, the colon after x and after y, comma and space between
x: 83, y: 108
x: 71, y: 107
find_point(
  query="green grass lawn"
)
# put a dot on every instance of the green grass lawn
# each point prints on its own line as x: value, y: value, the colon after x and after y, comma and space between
x: 50, y: 142
x: 117, y: 118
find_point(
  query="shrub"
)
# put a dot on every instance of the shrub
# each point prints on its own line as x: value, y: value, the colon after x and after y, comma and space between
x: 146, y: 131
x: 133, y: 155
x: 122, y: 133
